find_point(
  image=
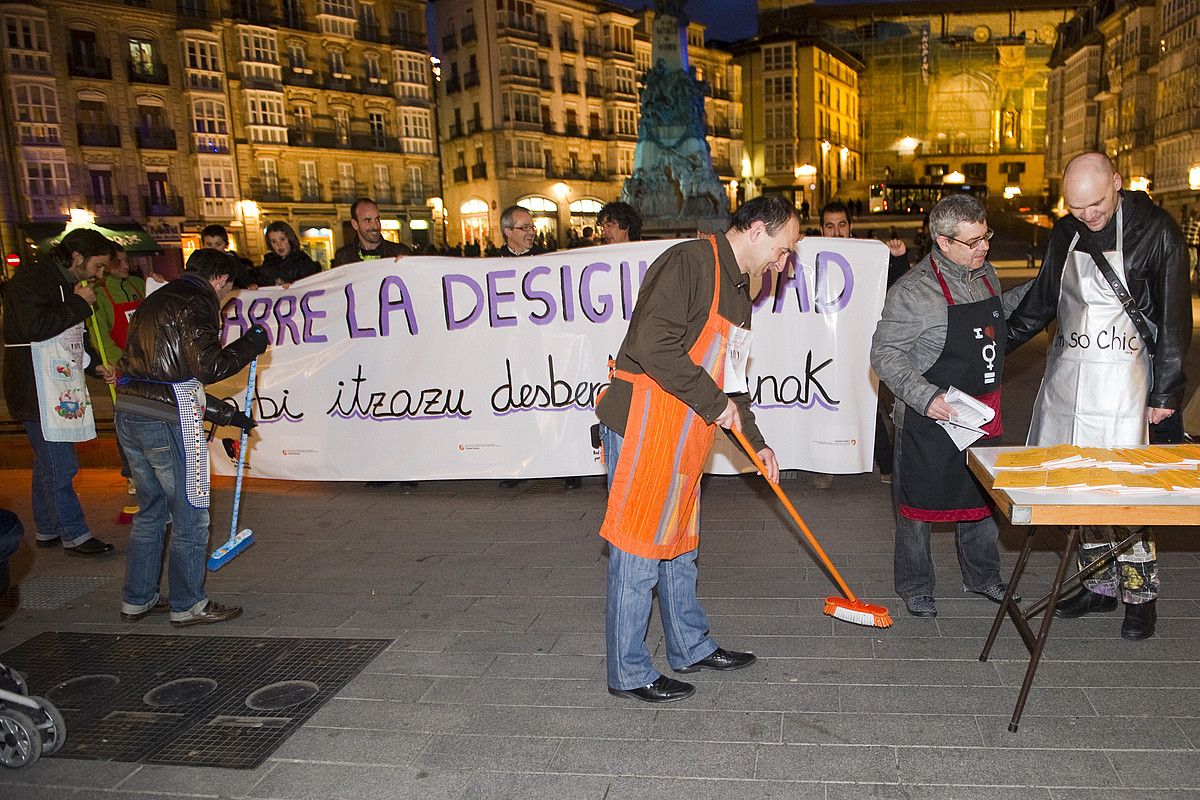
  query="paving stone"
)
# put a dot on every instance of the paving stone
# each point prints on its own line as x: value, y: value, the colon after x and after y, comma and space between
x: 662, y: 759
x: 996, y: 767
x: 802, y: 762
x: 290, y: 781
x: 627, y: 788
x: 350, y: 746
x: 678, y: 724
x: 181, y: 780
x: 934, y: 730
x: 516, y: 786
x: 633, y: 723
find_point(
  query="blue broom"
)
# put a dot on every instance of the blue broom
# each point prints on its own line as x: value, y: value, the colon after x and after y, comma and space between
x: 238, y: 541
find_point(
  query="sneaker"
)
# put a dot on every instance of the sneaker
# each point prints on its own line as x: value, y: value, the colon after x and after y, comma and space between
x: 211, y: 613
x: 995, y: 593
x: 921, y: 606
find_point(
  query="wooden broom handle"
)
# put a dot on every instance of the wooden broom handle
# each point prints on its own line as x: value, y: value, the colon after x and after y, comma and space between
x: 812, y: 540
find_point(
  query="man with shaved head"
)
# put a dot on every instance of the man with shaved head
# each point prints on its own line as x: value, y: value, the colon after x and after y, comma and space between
x: 1115, y: 277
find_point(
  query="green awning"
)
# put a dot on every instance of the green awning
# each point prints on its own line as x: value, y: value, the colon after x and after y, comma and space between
x: 131, y: 236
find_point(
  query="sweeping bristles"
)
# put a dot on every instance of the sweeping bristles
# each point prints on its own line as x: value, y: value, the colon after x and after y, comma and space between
x: 223, y: 554
x: 848, y: 608
x: 858, y: 612
x: 237, y: 541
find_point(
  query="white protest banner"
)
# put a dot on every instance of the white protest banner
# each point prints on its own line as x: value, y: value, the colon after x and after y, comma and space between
x: 437, y: 368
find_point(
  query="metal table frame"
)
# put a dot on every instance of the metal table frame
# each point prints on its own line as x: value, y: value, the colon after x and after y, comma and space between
x: 1033, y: 509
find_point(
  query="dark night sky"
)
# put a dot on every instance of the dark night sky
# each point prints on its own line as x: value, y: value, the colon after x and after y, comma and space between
x: 728, y: 20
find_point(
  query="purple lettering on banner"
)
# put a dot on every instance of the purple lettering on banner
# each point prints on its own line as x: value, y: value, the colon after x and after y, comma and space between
x: 387, y: 305
x: 352, y: 317
x: 545, y: 298
x: 627, y: 290
x: 449, y: 280
x: 234, y: 316
x: 259, y: 312
x: 793, y: 279
x: 824, y: 302
x: 496, y: 297
x: 585, y: 293
x: 311, y: 314
x: 566, y: 281
x: 285, y: 309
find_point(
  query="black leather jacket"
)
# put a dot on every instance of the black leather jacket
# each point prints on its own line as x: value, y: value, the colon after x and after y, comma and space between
x: 1156, y: 270
x: 174, y: 336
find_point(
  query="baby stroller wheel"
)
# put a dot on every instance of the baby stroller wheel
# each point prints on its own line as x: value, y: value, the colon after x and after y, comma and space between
x: 54, y: 729
x: 13, y: 681
x: 20, y: 740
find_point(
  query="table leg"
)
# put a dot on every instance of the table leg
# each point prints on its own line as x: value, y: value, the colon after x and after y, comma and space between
x: 1044, y: 629
x: 1013, y: 581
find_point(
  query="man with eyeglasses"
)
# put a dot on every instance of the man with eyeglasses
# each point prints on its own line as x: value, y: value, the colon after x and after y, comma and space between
x: 943, y: 326
x: 520, y: 234
x: 1115, y: 277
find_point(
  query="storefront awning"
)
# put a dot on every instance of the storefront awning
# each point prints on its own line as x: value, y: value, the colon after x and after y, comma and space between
x: 131, y: 236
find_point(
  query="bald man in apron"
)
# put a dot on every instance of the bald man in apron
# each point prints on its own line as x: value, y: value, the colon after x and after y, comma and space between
x: 1115, y: 277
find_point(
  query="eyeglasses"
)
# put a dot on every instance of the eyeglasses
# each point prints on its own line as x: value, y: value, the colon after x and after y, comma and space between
x: 974, y: 243
x: 522, y: 228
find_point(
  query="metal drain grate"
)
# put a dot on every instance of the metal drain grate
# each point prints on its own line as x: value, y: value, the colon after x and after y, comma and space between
x: 48, y: 592
x: 226, y: 701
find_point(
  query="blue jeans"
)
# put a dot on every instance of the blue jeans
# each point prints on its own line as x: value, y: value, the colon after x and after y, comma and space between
x: 978, y: 556
x: 56, y: 510
x: 631, y: 583
x: 156, y: 458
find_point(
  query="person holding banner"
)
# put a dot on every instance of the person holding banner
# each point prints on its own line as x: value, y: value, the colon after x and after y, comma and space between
x: 679, y: 374
x: 519, y: 232
x: 943, y: 326
x: 174, y: 348
x: 619, y: 222
x: 368, y: 243
x: 1115, y: 277
x: 45, y: 306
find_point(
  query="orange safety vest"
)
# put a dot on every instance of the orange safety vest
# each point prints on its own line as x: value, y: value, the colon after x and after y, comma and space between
x: 653, y: 503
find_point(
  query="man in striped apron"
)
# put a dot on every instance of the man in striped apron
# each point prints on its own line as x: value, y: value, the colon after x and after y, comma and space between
x: 680, y: 373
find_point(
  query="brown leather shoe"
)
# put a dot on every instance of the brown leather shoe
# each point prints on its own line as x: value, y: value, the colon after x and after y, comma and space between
x: 211, y: 613
x: 163, y: 605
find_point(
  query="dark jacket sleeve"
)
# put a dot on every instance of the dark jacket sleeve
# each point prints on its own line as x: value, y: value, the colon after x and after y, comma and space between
x: 40, y: 316
x: 342, y: 256
x: 301, y: 266
x: 1169, y: 288
x: 206, y: 360
x: 1040, y: 304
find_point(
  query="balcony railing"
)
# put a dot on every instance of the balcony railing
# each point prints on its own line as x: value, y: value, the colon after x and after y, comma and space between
x: 455, y: 130
x: 382, y: 194
x: 370, y: 33
x: 453, y: 85
x: 148, y: 73
x: 591, y: 48
x: 468, y: 34
x: 160, y: 206
x: 348, y: 192
x: 470, y: 79
x: 459, y: 174
x: 478, y: 171
x: 38, y: 133
x: 571, y: 129
x: 89, y: 66
x: 210, y: 142
x: 359, y: 136
x: 161, y: 138
x: 271, y: 191
x: 205, y: 81
x: 543, y: 38
x: 110, y: 206
x: 514, y: 24
x: 96, y: 135
x: 310, y: 192
x: 449, y: 43
x: 474, y: 125
x: 570, y: 85
x: 594, y: 89
x: 407, y: 40
x: 568, y: 44
x: 546, y: 82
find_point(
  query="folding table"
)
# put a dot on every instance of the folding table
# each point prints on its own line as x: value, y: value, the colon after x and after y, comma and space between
x: 1033, y: 508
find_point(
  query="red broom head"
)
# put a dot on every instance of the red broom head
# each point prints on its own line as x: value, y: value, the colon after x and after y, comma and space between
x: 858, y: 612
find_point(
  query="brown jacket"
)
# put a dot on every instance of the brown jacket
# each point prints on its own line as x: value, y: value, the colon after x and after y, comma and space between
x: 671, y: 310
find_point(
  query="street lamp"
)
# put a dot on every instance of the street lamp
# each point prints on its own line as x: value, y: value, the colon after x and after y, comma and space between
x: 81, y: 216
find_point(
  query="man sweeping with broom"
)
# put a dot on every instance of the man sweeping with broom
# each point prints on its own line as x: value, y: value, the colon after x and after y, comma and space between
x: 173, y: 349
x: 679, y: 374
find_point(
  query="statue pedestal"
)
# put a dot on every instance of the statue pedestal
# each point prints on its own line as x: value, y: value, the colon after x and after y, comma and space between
x: 683, y: 227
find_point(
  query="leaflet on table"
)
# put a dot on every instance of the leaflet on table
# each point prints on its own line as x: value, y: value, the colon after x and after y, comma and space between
x: 970, y: 416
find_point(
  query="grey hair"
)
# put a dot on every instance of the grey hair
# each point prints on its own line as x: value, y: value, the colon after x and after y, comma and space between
x: 954, y: 210
x: 506, y: 216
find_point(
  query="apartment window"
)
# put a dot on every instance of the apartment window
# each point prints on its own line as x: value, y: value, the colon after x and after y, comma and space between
x: 28, y: 44
x: 410, y: 68
x: 415, y: 124
x: 527, y: 153
x: 346, y: 177
x: 36, y: 110
x: 309, y: 186
x: 383, y: 180
x: 208, y: 116
x: 777, y: 88
x: 46, y: 183
x: 192, y: 8
x: 264, y: 109
x: 203, y: 55
x: 338, y: 8
x: 620, y: 79
x: 377, y: 126
x: 293, y: 13
x: 217, y: 182
x: 625, y: 162
x: 141, y: 56
x: 523, y: 107
x: 302, y: 118
x: 260, y: 47
x: 519, y: 60
x: 268, y: 174
x: 341, y: 124
x: 337, y: 64
x: 368, y: 24
x: 371, y: 68
x: 778, y: 123
x: 777, y: 57
x: 297, y: 56
x: 101, y: 182
x: 780, y: 157
x: 416, y: 183
x: 625, y: 122
x: 83, y: 45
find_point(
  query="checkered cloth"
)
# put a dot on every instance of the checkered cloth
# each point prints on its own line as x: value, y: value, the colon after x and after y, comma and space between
x: 189, y: 397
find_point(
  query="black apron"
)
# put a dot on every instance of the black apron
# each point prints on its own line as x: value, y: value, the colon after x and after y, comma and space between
x: 933, y: 483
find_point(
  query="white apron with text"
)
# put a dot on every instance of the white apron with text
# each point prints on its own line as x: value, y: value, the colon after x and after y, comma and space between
x: 64, y: 405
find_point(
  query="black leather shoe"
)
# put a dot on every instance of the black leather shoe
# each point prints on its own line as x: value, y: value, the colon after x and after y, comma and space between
x: 163, y: 605
x: 994, y: 592
x: 1139, y: 621
x: 213, y: 612
x: 721, y: 659
x: 663, y: 690
x: 1085, y: 601
x: 55, y: 542
x: 91, y: 547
